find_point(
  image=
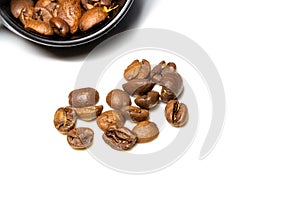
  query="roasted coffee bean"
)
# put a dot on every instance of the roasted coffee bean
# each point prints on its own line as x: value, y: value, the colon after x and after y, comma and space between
x: 59, y: 26
x: 88, y: 113
x: 135, y: 114
x: 83, y: 14
x: 16, y: 6
x: 83, y: 97
x: 120, y: 139
x: 137, y: 70
x: 147, y: 101
x: 155, y: 74
x: 70, y: 12
x: 172, y: 86
x: 138, y: 86
x: 80, y: 138
x: 166, y: 95
x: 176, y: 113
x: 117, y: 99
x: 110, y: 118
x: 92, y: 17
x: 51, y: 5
x: 65, y: 119
x: 160, y: 70
x: 42, y: 14
x: 146, y: 131
x: 40, y: 27
x: 37, y: 19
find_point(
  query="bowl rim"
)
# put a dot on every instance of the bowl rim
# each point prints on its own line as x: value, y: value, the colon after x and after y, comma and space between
x: 8, y: 23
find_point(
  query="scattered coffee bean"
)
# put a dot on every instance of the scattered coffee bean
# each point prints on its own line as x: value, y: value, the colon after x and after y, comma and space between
x: 117, y: 99
x: 110, y: 118
x: 147, y: 101
x: 80, y: 138
x: 135, y: 114
x: 120, y: 139
x: 172, y: 86
x: 137, y: 70
x: 138, y: 86
x: 83, y: 97
x: 146, y: 131
x: 83, y: 105
x: 64, y: 119
x: 160, y: 70
x: 88, y: 113
x: 176, y: 113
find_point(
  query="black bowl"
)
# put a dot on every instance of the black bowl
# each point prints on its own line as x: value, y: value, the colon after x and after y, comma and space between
x: 77, y: 39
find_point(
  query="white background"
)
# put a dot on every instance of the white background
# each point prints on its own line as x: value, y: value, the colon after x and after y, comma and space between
x: 255, y: 46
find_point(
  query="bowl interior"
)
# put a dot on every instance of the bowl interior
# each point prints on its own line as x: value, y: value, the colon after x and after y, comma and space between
x: 78, y: 38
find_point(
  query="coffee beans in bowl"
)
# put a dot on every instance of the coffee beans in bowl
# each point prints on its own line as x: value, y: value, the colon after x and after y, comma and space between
x: 62, y: 23
x: 140, y: 82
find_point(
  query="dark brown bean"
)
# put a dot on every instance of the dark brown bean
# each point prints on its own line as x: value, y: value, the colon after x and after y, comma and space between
x: 42, y: 14
x: 110, y: 118
x: 172, y: 86
x: 137, y: 70
x: 120, y: 139
x: 64, y: 119
x: 40, y: 27
x: 16, y: 6
x: 83, y: 97
x: 117, y: 99
x: 147, y: 101
x: 70, y: 12
x: 51, y: 5
x: 37, y: 19
x: 59, y: 26
x: 88, y: 113
x: 135, y: 114
x: 138, y: 86
x: 80, y: 138
x: 176, y: 113
x: 146, y: 131
x: 91, y: 18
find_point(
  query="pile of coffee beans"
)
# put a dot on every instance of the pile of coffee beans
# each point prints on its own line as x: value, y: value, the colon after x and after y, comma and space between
x: 140, y: 81
x: 61, y: 17
x: 82, y: 105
